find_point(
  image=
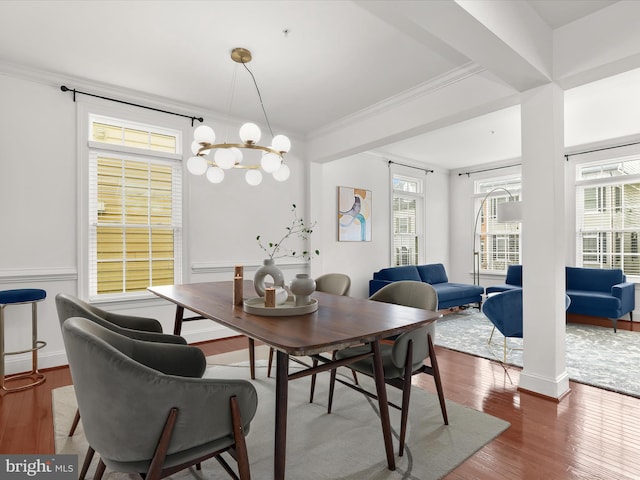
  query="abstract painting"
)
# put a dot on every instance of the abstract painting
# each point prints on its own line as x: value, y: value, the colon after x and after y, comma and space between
x: 354, y: 214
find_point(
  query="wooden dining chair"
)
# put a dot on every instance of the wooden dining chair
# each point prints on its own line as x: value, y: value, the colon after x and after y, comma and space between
x: 402, y: 357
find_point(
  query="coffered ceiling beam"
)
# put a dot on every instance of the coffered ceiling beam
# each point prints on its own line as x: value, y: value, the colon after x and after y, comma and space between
x: 509, y: 39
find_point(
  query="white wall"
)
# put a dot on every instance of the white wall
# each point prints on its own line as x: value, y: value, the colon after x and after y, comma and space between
x: 360, y: 259
x: 462, y: 215
x: 39, y: 205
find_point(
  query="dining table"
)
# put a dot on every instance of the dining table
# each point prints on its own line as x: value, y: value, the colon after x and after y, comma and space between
x: 338, y: 322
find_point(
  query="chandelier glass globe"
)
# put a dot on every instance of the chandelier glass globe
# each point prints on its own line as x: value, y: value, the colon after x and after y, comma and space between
x: 253, y: 177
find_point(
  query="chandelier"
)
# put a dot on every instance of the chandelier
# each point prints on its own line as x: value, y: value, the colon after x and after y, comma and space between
x: 228, y: 156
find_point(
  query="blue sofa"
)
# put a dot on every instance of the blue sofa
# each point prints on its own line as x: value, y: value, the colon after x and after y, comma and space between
x: 593, y: 291
x: 449, y: 294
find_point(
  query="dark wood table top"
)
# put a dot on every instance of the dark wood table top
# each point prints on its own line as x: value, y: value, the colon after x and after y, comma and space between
x: 339, y: 321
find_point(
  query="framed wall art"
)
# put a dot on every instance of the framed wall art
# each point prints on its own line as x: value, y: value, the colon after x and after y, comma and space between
x: 354, y: 214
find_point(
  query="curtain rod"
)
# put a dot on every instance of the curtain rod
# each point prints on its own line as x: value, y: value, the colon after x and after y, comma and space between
x: 567, y: 155
x: 67, y: 89
x: 425, y: 170
x: 488, y: 169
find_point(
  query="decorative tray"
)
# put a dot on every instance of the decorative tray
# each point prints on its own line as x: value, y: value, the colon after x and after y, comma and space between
x: 256, y: 306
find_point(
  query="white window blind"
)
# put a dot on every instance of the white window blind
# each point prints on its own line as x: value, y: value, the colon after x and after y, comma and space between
x: 608, y: 214
x: 135, y: 209
x: 498, y: 244
x: 408, y: 200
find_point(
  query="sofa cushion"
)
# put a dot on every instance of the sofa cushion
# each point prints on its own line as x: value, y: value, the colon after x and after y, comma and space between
x: 394, y: 274
x: 593, y: 279
x: 596, y: 304
x: 432, y: 273
x: 454, y: 291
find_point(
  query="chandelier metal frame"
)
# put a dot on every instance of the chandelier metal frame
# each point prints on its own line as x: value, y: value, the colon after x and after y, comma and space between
x: 273, y: 156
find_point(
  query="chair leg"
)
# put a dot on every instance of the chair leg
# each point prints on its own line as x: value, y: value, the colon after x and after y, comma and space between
x: 437, y: 379
x: 491, y: 336
x: 313, y: 382
x: 99, y: 470
x: 155, y: 467
x: 87, y: 462
x: 238, y: 436
x: 505, y: 350
x: 270, y: 362
x: 74, y: 425
x: 406, y: 394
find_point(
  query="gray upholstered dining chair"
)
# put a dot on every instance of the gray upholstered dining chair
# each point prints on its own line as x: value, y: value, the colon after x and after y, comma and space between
x: 139, y: 328
x: 334, y: 283
x: 145, y: 409
x: 405, y: 355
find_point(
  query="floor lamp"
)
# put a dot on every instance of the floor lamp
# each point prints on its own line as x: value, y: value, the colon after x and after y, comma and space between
x: 510, y: 211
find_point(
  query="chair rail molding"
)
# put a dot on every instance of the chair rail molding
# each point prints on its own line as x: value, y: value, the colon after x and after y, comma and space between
x: 35, y: 274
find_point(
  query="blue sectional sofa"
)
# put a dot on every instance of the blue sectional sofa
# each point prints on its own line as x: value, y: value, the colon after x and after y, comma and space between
x: 449, y: 294
x: 593, y: 291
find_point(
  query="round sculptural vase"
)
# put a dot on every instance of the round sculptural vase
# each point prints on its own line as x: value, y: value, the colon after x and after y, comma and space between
x: 268, y: 269
x: 302, y: 287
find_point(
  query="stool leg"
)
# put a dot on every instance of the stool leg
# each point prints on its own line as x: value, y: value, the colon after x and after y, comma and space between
x: 2, y: 387
x: 34, y: 337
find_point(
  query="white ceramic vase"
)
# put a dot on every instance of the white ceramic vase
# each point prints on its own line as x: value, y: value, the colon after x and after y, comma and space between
x: 302, y: 287
x: 268, y: 268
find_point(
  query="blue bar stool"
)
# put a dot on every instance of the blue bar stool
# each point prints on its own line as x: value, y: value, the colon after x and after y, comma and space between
x: 19, y: 297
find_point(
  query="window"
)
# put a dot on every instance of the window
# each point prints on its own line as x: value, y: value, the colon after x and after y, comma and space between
x: 408, y: 199
x: 608, y: 214
x: 135, y: 191
x: 497, y: 244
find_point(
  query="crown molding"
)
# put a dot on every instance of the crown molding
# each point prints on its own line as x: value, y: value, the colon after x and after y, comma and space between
x: 427, y: 88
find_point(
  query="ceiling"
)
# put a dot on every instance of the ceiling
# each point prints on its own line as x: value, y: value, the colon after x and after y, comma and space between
x: 315, y: 62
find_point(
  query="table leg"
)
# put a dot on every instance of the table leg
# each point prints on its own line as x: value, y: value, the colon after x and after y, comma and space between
x: 252, y: 357
x: 381, y: 390
x: 282, y: 391
x: 177, y: 325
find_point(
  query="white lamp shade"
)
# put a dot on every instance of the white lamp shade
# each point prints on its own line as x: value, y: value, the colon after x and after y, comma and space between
x: 282, y: 173
x: 253, y: 177
x: 509, y: 212
x: 204, y: 134
x: 197, y: 165
x: 270, y: 162
x: 195, y: 149
x: 215, y: 174
x: 224, y: 158
x: 250, y: 133
x: 237, y: 153
x: 281, y: 143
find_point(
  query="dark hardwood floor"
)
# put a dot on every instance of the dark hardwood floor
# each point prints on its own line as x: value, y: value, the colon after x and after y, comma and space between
x: 591, y: 433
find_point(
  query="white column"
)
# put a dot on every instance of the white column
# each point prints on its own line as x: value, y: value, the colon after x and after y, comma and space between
x: 543, y: 242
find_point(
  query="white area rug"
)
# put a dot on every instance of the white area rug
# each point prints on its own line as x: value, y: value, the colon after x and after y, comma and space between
x: 346, y: 444
x: 595, y: 355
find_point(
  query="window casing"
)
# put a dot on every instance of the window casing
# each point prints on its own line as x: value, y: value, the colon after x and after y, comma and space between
x: 134, y: 208
x: 408, y: 214
x: 497, y: 244
x: 608, y: 214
